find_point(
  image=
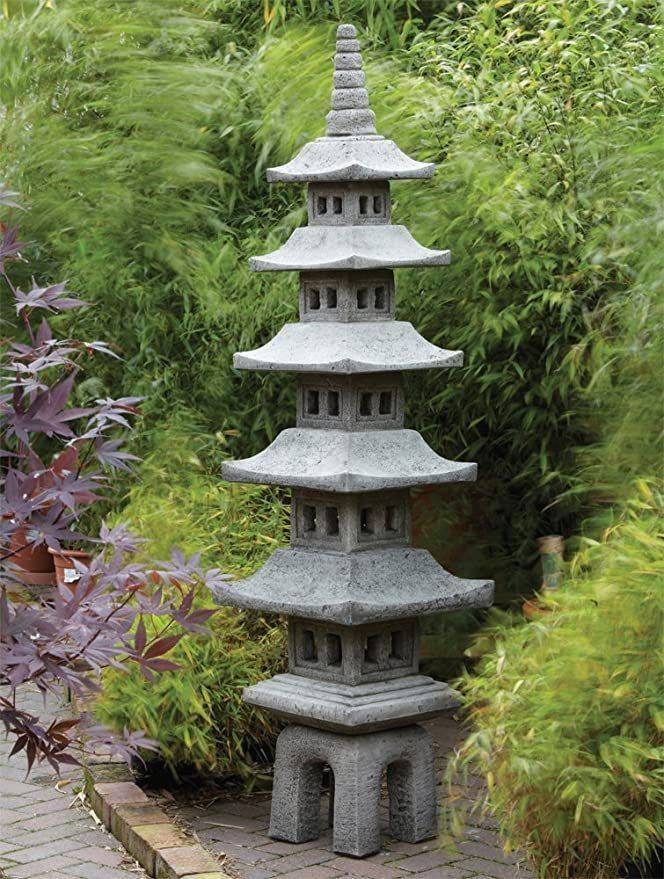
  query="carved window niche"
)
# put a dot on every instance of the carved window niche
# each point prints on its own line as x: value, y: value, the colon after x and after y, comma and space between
x: 320, y: 300
x: 380, y: 406
x: 373, y: 296
x: 350, y: 523
x: 381, y: 521
x: 319, y: 405
x: 350, y: 204
x: 352, y: 654
x: 316, y: 521
x: 347, y: 296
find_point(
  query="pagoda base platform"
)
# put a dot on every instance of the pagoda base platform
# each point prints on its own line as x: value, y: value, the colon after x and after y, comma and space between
x: 350, y: 709
x: 357, y: 763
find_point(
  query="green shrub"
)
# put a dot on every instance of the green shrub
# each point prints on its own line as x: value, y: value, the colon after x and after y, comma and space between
x: 196, y: 713
x: 569, y: 710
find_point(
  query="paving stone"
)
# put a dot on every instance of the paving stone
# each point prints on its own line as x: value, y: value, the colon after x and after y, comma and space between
x: 493, y: 869
x: 364, y: 869
x: 98, y: 871
x: 307, y: 858
x: 97, y: 837
x: 37, y: 869
x: 426, y: 860
x: 445, y: 873
x: 318, y: 872
x: 49, y: 834
x: 257, y: 873
x: 46, y: 850
x: 11, y: 788
x: 490, y: 852
x: 231, y: 836
x: 97, y: 855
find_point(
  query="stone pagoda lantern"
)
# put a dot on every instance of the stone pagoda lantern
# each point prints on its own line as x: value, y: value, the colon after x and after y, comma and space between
x: 350, y: 584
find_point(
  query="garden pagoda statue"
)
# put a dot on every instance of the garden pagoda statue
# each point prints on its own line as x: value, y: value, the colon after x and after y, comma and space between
x: 351, y: 585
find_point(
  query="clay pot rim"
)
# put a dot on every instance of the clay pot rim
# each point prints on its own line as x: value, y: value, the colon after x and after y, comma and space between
x: 70, y: 553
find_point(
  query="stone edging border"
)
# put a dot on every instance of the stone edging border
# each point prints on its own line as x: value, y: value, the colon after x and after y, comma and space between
x: 147, y: 832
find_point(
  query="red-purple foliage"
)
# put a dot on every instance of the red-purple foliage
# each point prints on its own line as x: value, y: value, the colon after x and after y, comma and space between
x: 55, y: 459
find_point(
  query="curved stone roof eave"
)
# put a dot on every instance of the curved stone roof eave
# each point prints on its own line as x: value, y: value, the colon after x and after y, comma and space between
x: 354, y: 588
x: 348, y: 348
x: 339, y: 461
x: 330, y: 159
x: 315, y: 248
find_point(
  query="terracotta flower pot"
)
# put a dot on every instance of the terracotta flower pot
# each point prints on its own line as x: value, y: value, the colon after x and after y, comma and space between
x: 65, y: 570
x: 35, y: 563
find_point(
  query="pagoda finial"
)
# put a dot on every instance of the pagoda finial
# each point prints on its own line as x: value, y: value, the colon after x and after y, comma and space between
x: 350, y: 113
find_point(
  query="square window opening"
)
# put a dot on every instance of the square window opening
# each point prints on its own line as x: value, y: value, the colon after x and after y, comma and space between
x: 380, y: 299
x: 309, y: 650
x: 398, y: 645
x: 363, y: 298
x: 313, y: 402
x: 366, y: 403
x: 372, y: 649
x: 337, y: 204
x: 314, y: 299
x: 333, y: 646
x: 331, y: 521
x: 331, y: 297
x: 364, y: 204
x: 321, y: 204
x: 366, y: 520
x: 309, y: 518
x: 378, y: 204
x: 333, y: 403
x: 385, y: 403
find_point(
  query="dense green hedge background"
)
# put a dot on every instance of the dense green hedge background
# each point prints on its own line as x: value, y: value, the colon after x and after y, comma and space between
x: 139, y: 132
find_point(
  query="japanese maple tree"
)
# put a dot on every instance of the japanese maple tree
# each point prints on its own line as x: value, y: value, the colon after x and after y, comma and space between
x: 56, y: 460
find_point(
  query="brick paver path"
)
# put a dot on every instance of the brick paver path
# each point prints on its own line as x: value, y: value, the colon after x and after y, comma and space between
x: 44, y: 836
x: 239, y: 829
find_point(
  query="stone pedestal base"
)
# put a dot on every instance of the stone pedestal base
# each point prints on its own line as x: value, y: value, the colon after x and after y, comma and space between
x: 357, y: 762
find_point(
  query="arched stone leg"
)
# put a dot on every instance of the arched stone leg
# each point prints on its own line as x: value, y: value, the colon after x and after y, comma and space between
x: 411, y: 787
x: 296, y: 791
x: 357, y: 763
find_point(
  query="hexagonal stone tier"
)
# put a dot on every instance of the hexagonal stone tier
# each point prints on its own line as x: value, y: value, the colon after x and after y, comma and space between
x: 354, y: 588
x: 342, y: 461
x: 348, y: 247
x: 335, y: 347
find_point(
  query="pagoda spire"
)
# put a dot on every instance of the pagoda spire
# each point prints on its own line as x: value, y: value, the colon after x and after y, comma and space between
x: 350, y: 114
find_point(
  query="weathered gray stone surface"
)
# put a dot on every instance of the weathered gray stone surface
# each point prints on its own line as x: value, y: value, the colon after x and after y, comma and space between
x: 353, y: 670
x: 337, y: 460
x: 359, y: 708
x: 310, y: 248
x: 357, y: 763
x: 355, y: 588
x: 353, y: 654
x: 331, y: 347
x: 350, y: 158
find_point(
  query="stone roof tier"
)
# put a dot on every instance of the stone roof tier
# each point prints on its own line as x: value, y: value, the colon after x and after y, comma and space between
x: 347, y: 348
x: 354, y: 588
x: 312, y: 248
x: 343, y: 461
x: 330, y: 159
